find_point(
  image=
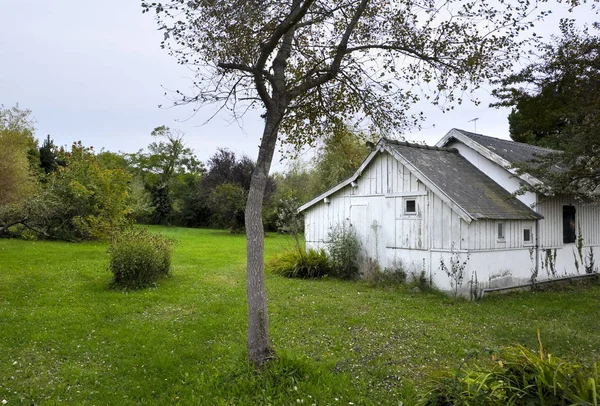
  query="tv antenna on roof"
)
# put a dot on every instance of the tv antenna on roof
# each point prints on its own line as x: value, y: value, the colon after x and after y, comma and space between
x: 474, y: 124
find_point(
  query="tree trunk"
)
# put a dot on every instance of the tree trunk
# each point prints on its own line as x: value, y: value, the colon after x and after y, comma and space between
x: 259, y: 346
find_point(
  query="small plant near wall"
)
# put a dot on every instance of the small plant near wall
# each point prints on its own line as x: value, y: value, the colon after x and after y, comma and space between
x: 474, y: 289
x: 590, y: 267
x: 393, y: 276
x: 455, y: 270
x: 299, y: 264
x: 534, y: 269
x: 343, y: 248
x: 587, y: 261
x: 549, y: 262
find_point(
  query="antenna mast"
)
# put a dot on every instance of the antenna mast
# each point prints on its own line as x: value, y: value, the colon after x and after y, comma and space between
x: 474, y: 121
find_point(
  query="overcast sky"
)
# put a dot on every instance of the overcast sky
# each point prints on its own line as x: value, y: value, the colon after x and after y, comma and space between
x: 94, y: 71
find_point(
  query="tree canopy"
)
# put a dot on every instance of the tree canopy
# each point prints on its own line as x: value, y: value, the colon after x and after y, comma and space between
x: 17, y: 146
x: 159, y: 167
x: 556, y: 104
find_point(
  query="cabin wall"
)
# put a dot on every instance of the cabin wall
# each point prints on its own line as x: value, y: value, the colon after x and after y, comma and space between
x: 375, y: 207
x: 556, y: 257
x: 500, y: 175
x: 322, y: 217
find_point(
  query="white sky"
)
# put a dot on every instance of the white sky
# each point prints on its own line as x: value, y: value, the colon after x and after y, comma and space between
x: 94, y: 71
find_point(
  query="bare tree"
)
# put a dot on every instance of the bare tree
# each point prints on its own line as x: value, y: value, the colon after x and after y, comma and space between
x: 313, y: 65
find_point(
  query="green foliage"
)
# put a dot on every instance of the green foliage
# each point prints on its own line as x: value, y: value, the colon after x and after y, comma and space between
x: 159, y: 169
x: 90, y: 201
x: 339, y: 157
x: 289, y: 221
x: 389, y: 277
x: 343, y: 248
x: 518, y: 376
x: 556, y: 104
x: 228, y: 202
x: 56, y: 193
x: 139, y: 258
x: 299, y: 264
x: 48, y: 158
x: 16, y: 145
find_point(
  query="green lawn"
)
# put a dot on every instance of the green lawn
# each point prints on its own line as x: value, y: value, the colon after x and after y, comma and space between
x: 65, y: 338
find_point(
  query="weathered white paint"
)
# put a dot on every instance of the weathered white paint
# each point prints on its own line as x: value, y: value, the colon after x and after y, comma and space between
x: 417, y: 242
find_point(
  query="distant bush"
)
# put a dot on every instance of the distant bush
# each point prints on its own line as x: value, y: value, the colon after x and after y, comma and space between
x: 343, y: 248
x: 519, y: 377
x: 138, y: 258
x: 299, y: 264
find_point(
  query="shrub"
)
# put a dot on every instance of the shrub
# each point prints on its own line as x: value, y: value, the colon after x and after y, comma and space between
x: 344, y: 248
x: 299, y: 264
x: 394, y: 276
x: 519, y: 377
x: 138, y: 258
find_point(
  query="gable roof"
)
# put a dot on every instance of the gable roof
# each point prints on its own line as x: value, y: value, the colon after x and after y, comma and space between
x: 465, y: 185
x: 505, y: 153
x: 467, y: 190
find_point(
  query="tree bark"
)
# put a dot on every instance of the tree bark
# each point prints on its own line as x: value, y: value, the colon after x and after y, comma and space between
x: 258, y: 344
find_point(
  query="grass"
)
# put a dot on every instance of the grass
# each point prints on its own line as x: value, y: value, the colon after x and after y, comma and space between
x: 66, y: 338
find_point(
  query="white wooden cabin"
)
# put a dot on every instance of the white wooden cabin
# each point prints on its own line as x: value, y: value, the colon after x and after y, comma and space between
x: 411, y: 205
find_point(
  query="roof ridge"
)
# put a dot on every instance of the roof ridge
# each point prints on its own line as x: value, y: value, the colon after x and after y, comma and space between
x: 522, y: 144
x: 419, y: 146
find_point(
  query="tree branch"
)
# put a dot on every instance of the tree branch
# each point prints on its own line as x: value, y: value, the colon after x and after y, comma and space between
x: 341, y: 51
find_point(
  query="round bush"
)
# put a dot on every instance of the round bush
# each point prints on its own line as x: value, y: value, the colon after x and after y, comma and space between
x: 138, y: 258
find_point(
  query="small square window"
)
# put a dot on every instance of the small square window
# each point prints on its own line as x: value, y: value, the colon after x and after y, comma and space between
x: 500, y: 231
x: 527, y: 236
x: 410, y: 206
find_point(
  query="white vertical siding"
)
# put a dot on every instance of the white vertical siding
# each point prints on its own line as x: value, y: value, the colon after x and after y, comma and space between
x: 320, y: 218
x: 587, y: 218
x: 483, y: 234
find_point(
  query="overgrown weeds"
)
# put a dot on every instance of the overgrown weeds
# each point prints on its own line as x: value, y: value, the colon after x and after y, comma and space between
x: 518, y: 377
x: 343, y: 248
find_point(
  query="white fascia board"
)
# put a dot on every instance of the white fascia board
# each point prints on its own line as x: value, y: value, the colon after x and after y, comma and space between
x: 345, y: 183
x: 427, y: 182
x: 486, y: 153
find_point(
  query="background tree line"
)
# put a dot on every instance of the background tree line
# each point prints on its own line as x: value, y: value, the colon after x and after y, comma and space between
x: 556, y: 104
x: 78, y: 193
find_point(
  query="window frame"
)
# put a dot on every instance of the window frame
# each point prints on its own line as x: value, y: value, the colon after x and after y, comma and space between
x: 405, y: 208
x: 530, y: 241
x: 500, y: 232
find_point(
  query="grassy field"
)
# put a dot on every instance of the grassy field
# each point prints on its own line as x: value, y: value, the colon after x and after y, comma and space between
x: 65, y: 338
